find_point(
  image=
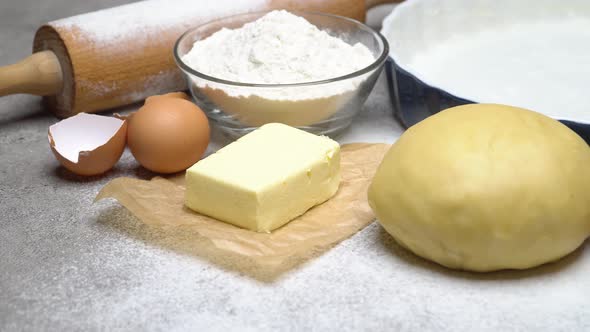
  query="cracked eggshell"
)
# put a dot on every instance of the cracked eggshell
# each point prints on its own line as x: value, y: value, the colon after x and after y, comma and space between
x: 88, y: 144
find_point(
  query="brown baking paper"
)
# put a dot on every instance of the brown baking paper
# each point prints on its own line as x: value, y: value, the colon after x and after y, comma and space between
x: 159, y: 203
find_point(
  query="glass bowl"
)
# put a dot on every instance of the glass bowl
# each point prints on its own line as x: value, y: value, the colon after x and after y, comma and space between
x: 324, y: 107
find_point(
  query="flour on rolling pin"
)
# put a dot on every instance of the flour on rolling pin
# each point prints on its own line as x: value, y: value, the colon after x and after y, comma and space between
x: 121, y: 55
x: 144, y: 21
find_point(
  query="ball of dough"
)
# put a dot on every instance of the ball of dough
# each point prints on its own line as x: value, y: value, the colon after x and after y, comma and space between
x: 486, y: 187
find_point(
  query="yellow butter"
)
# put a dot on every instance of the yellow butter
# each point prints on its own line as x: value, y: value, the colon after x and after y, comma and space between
x: 266, y: 178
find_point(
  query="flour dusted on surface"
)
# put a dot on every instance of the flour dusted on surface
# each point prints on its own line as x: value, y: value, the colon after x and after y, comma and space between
x: 278, y: 48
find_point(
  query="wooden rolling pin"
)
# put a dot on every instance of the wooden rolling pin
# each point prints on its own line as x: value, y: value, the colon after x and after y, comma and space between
x: 121, y: 55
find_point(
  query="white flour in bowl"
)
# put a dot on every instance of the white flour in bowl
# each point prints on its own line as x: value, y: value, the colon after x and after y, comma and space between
x: 278, y: 48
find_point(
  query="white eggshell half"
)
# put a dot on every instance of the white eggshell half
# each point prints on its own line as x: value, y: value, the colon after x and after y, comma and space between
x: 88, y: 144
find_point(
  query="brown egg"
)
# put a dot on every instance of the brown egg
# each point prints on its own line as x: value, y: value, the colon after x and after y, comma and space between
x: 88, y: 144
x: 168, y: 135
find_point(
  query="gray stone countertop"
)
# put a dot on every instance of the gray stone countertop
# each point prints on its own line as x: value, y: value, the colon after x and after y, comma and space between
x: 69, y: 264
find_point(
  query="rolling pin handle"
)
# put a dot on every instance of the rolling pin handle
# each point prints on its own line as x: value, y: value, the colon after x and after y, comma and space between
x: 39, y: 74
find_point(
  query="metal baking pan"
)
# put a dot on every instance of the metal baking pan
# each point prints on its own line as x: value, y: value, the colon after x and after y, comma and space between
x: 416, y: 23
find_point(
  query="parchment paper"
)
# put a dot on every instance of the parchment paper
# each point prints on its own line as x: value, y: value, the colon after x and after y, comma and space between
x: 160, y: 202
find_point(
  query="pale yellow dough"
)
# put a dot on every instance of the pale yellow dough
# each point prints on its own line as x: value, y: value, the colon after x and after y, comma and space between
x: 486, y: 187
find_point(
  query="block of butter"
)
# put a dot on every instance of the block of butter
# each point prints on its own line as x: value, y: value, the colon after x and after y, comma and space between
x: 266, y: 178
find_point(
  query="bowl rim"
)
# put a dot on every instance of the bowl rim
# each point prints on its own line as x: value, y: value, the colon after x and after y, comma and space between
x: 378, y: 62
